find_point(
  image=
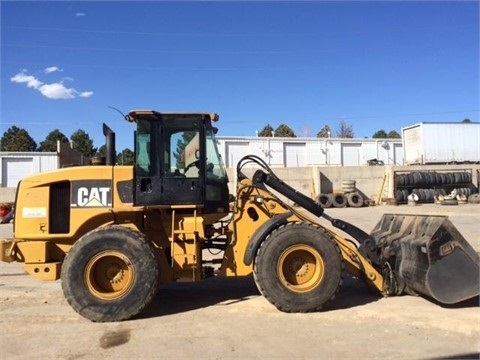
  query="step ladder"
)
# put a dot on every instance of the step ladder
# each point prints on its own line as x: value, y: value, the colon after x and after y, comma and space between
x: 185, y: 250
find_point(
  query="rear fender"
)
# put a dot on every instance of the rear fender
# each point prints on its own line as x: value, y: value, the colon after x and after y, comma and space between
x: 260, y: 234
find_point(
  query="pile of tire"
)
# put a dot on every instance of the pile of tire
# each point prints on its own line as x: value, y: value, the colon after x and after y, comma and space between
x: 348, y: 186
x: 424, y: 195
x: 432, y: 178
x: 348, y: 196
x: 340, y: 200
x: 432, y: 195
x: 456, y: 197
x: 429, y: 186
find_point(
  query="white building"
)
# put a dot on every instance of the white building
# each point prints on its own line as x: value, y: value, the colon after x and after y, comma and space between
x: 301, y: 152
x: 276, y: 151
x: 16, y: 165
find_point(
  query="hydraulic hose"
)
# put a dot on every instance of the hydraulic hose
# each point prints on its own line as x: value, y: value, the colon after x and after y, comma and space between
x: 260, y: 177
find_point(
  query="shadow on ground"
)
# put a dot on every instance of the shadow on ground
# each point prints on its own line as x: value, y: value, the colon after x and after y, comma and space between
x: 182, y: 297
x: 475, y: 355
x: 473, y: 302
x: 176, y: 298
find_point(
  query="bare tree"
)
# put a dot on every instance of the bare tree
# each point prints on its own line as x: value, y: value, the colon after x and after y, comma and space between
x: 345, y: 130
x: 306, y: 131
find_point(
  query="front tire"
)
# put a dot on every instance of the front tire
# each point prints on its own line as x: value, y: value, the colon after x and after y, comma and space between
x: 298, y: 268
x: 110, y: 274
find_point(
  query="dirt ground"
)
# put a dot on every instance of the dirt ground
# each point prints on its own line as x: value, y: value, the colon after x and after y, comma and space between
x: 228, y: 319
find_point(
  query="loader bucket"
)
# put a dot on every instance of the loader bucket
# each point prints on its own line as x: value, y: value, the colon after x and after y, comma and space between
x: 429, y: 256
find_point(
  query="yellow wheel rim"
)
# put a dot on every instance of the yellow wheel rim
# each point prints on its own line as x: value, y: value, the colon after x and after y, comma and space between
x: 300, y: 268
x: 109, y: 275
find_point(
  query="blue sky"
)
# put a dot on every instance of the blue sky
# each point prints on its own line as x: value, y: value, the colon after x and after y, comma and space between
x: 374, y: 65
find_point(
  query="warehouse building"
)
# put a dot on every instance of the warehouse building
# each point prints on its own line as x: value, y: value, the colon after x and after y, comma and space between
x: 277, y: 152
x: 301, y: 152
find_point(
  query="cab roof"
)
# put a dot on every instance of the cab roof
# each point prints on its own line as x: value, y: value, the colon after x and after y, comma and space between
x: 133, y: 115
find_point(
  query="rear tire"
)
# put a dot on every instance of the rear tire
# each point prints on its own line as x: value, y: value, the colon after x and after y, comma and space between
x: 110, y: 274
x: 298, y: 268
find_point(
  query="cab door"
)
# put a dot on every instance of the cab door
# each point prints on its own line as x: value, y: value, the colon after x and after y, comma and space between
x: 170, y: 157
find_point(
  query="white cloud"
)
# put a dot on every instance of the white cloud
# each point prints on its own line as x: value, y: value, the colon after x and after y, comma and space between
x: 30, y: 80
x: 80, y: 14
x: 56, y: 90
x: 52, y: 69
x: 86, y: 94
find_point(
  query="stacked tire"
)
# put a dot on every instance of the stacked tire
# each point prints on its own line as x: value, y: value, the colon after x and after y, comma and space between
x: 349, y: 186
x: 349, y: 196
x: 424, y: 179
x: 431, y: 185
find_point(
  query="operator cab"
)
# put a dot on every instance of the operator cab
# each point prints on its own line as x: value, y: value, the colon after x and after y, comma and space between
x: 177, y: 161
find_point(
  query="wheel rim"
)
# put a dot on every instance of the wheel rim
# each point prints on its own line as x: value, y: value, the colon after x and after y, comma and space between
x: 300, y: 268
x: 109, y: 275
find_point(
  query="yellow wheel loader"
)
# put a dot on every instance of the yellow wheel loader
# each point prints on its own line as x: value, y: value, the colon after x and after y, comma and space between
x: 113, y: 234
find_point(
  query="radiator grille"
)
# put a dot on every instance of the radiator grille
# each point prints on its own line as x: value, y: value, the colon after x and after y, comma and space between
x: 59, y: 213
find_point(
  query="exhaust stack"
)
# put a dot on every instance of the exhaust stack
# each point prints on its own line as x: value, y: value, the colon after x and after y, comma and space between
x: 110, y: 145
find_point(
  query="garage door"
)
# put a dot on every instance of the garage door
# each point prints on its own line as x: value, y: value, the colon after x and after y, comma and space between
x: 294, y: 154
x: 398, y: 154
x: 234, y: 152
x: 351, y: 154
x: 14, y: 169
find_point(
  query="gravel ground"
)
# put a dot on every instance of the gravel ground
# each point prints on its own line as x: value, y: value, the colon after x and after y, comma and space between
x: 228, y: 319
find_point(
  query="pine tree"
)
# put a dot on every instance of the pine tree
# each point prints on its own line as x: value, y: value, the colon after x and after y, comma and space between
x: 380, y: 134
x: 325, y: 132
x: 393, y: 135
x: 82, y: 143
x: 50, y: 142
x: 267, y: 131
x: 126, y: 157
x: 17, y: 139
x: 284, y: 131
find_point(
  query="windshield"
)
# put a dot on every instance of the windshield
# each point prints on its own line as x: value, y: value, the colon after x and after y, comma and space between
x: 215, y: 166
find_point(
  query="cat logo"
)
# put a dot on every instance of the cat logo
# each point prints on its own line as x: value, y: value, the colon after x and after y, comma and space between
x: 91, y: 193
